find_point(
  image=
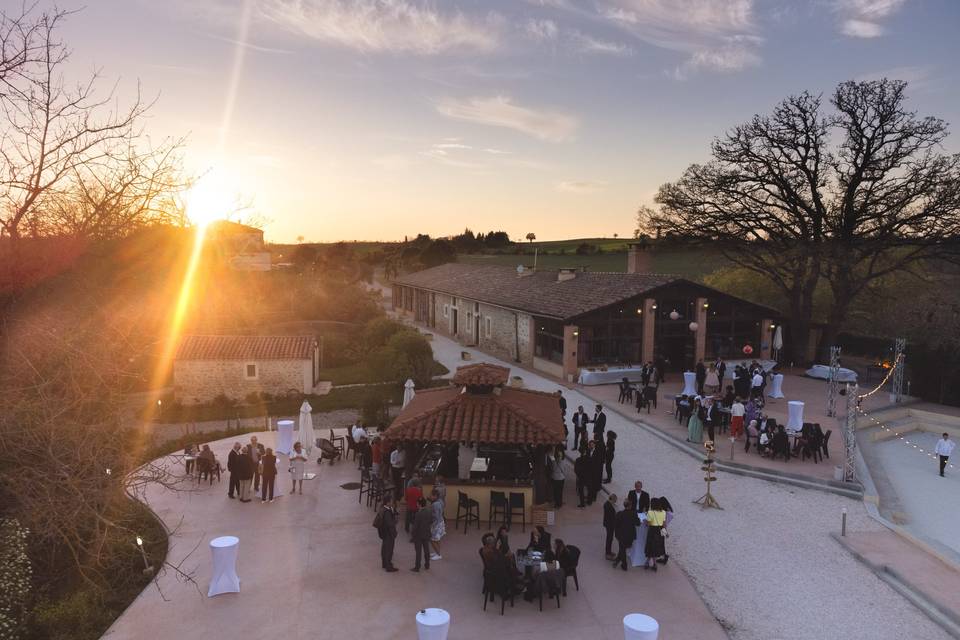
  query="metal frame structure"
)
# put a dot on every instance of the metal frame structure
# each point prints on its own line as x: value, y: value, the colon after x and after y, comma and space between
x: 833, y: 384
x: 896, y: 387
x: 852, y: 392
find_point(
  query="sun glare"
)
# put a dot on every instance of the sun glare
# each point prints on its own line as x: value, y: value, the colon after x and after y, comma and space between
x: 211, y: 198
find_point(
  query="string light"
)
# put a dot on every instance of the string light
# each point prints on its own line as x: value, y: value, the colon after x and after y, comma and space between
x: 898, y: 435
x: 890, y: 371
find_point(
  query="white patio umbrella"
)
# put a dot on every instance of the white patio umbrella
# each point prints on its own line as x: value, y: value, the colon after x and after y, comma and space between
x: 408, y: 392
x: 306, y: 436
x: 778, y: 339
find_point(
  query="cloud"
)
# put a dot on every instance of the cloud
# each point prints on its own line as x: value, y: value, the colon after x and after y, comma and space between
x: 501, y: 111
x: 375, y: 26
x: 861, y: 18
x: 542, y: 30
x: 581, y: 186
x: 251, y: 46
x: 589, y: 44
x: 916, y: 77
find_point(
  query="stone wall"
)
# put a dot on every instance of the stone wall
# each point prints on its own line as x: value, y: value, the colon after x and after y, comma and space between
x: 196, y: 381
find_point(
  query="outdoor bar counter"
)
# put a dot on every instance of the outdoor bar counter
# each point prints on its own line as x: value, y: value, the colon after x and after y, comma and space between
x: 479, y: 490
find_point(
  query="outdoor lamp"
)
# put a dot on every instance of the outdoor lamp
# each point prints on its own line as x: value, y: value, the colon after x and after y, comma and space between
x: 694, y: 326
x: 706, y: 305
x: 653, y: 306
x: 639, y: 310
x: 674, y: 315
x: 139, y: 541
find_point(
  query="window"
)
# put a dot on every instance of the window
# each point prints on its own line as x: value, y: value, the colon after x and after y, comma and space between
x: 548, y: 341
x: 488, y: 326
x: 446, y: 311
x: 250, y: 371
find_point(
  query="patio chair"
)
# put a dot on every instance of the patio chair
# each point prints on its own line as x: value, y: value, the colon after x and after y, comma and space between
x: 366, y: 482
x: 336, y: 442
x: 495, y: 584
x: 207, y: 469
x: 546, y: 581
x: 468, y: 510
x: 351, y: 447
x: 517, y: 502
x: 498, y: 506
x: 826, y: 442
x: 571, y: 571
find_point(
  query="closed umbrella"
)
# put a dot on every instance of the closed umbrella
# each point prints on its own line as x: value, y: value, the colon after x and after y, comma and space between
x: 778, y: 339
x: 408, y: 392
x: 306, y: 427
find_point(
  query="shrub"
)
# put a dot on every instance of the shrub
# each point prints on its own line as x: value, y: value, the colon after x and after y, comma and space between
x: 15, y: 576
x: 410, y: 356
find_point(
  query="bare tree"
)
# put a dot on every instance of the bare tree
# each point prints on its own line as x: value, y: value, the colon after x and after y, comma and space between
x: 54, y: 132
x: 782, y: 202
x: 20, y: 43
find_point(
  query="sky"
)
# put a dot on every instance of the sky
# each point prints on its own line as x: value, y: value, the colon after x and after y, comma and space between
x: 379, y: 119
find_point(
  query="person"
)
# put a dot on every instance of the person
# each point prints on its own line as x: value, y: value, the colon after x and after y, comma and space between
x: 420, y: 536
x: 189, y: 450
x: 596, y: 452
x: 645, y: 375
x: 540, y: 541
x: 709, y: 417
x: 268, y: 474
x: 721, y: 368
x: 207, y: 454
x: 780, y: 443
x: 639, y: 497
x: 557, y: 477
x: 563, y: 403
x: 608, y: 455
x: 624, y: 390
x: 713, y: 381
x: 388, y: 533
x: 366, y: 454
x: 566, y: 557
x: 232, y: 469
x: 376, y: 455
x: 609, y: 523
x: 256, y: 450
x: 599, y: 424
x: 729, y: 397
x: 753, y: 433
x: 398, y: 461
x: 581, y: 468
x: 751, y: 410
x: 701, y: 376
x: 439, y: 527
x: 695, y: 423
x: 298, y: 466
x: 625, y: 525
x: 503, y: 540
x: 357, y: 432
x: 737, y: 413
x: 943, y: 450
x: 411, y: 496
x: 660, y: 365
x: 656, y: 529
x: 580, y: 420
x: 756, y: 384
x: 244, y: 472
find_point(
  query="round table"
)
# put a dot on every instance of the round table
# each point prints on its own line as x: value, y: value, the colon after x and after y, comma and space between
x: 433, y: 624
x: 224, y: 578
x: 776, y: 386
x: 639, y: 626
x: 689, y: 384
x: 794, y: 415
x: 284, y: 437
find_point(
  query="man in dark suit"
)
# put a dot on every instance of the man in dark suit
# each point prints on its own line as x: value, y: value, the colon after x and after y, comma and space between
x: 626, y: 523
x: 388, y: 534
x: 610, y: 523
x: 701, y: 372
x: 233, y: 467
x: 599, y: 423
x: 421, y: 534
x: 582, y: 470
x: 709, y: 418
x: 639, y: 497
x: 721, y: 368
x: 563, y: 403
x: 596, y: 452
x: 580, y: 420
x: 645, y: 375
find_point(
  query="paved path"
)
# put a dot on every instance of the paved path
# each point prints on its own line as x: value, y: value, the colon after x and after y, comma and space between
x: 765, y: 565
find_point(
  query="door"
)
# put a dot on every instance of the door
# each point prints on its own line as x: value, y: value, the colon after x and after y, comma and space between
x: 454, y: 320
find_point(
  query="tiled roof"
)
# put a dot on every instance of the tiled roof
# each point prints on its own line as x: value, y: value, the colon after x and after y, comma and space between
x: 448, y: 415
x: 540, y: 293
x: 481, y: 373
x: 246, y: 348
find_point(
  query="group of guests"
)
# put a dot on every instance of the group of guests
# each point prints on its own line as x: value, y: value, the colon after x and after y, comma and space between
x: 595, y: 456
x: 423, y: 521
x: 749, y: 381
x: 713, y: 412
x: 623, y: 524
x: 503, y: 576
x: 254, y: 465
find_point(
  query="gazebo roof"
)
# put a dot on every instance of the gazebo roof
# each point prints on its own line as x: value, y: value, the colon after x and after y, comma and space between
x: 481, y: 374
x: 454, y: 414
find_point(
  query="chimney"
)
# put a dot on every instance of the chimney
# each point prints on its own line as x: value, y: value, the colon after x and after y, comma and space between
x: 566, y: 274
x: 638, y: 259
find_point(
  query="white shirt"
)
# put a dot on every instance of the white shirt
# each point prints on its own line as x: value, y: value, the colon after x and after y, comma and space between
x: 737, y: 409
x: 397, y: 458
x: 944, y: 447
x: 757, y: 380
x: 357, y: 433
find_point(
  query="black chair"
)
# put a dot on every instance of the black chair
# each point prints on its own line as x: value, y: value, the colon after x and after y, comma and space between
x: 571, y: 570
x: 552, y: 590
x: 517, y: 501
x: 351, y: 446
x: 826, y: 442
x: 375, y: 492
x: 468, y: 510
x: 498, y: 506
x: 336, y: 442
x: 366, y: 482
x: 495, y: 585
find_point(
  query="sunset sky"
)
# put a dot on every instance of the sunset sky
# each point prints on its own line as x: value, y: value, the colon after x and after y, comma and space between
x: 371, y: 120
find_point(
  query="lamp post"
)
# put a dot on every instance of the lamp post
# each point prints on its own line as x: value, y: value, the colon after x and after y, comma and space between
x: 147, y: 569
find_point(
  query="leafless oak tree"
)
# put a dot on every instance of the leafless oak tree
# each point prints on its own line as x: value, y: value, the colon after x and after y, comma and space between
x: 781, y: 200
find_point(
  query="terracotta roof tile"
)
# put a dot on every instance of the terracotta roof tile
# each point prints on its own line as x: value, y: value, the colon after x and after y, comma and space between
x: 449, y: 414
x: 481, y: 373
x: 245, y: 348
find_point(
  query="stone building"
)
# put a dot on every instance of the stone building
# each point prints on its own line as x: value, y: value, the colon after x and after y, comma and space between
x: 205, y: 367
x: 559, y: 321
x: 240, y: 245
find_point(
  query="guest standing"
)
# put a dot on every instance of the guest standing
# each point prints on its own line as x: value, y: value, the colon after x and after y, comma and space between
x: 398, y: 461
x: 943, y: 451
x: 422, y: 526
x: 244, y: 465
x: 596, y: 452
x: 439, y: 527
x: 412, y: 497
x: 626, y: 523
x: 609, y: 523
x: 608, y: 454
x: 268, y: 473
x: 256, y: 450
x: 234, y: 481
x: 581, y: 468
x: 639, y: 497
x: 388, y: 533
x: 298, y: 466
x: 656, y: 528
x: 376, y: 455
x: 695, y: 423
x: 580, y: 420
x: 712, y: 383
x: 557, y: 477
x: 737, y: 413
x: 599, y: 424
x: 701, y: 376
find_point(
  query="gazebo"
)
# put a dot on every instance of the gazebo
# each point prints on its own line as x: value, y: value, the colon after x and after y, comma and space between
x: 481, y: 434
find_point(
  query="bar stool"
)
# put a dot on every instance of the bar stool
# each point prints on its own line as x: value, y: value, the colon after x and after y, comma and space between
x: 470, y: 511
x: 498, y: 504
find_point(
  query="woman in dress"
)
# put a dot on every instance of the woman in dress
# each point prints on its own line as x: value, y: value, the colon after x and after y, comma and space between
x: 695, y: 423
x: 656, y: 528
x: 713, y: 380
x: 439, y: 528
x: 298, y: 463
